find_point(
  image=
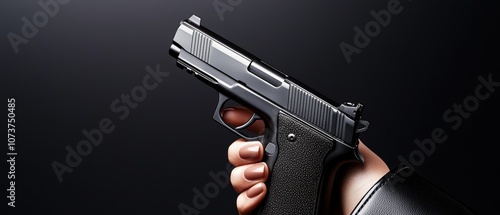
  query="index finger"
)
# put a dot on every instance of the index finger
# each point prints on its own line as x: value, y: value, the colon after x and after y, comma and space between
x: 237, y: 116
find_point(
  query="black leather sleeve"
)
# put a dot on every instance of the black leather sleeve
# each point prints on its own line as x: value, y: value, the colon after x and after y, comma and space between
x: 401, y: 193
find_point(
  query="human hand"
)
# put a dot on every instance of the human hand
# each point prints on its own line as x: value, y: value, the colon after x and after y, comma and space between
x: 248, y: 177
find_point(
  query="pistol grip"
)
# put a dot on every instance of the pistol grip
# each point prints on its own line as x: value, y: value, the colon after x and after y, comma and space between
x: 299, y: 181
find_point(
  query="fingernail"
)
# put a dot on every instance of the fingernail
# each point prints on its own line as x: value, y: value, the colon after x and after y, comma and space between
x: 255, y: 190
x: 250, y: 152
x: 255, y: 172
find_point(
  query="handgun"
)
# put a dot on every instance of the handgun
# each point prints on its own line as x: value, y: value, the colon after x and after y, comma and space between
x: 307, y: 137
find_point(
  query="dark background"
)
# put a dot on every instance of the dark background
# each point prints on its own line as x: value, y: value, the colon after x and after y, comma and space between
x: 66, y: 77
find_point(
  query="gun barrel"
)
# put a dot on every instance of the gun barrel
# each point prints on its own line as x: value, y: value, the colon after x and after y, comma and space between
x: 230, y: 59
x: 244, y: 68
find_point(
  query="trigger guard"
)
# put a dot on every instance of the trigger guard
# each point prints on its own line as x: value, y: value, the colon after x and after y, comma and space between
x: 217, y: 117
x: 222, y: 100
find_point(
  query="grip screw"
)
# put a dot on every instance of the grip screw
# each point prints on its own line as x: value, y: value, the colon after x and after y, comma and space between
x: 291, y: 137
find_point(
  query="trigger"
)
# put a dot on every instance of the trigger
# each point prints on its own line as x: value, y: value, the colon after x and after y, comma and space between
x: 240, y: 125
x: 249, y: 122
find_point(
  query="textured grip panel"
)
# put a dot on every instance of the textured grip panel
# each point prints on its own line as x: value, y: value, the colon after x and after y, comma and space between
x: 294, y: 184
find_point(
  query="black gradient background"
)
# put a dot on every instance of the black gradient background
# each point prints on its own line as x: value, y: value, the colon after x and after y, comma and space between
x: 91, y: 52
